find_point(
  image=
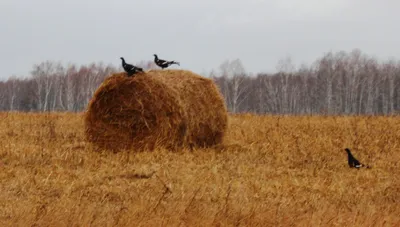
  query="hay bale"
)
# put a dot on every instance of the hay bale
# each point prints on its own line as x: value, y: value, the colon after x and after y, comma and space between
x: 167, y: 108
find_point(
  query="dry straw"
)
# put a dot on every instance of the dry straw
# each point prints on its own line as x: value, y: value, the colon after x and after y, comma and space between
x: 158, y: 108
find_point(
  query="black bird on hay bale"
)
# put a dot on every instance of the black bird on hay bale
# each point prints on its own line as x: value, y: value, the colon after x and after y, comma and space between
x: 353, y: 162
x: 163, y: 63
x: 130, y: 69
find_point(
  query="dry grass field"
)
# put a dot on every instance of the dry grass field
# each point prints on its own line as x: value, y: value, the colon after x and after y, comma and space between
x: 270, y: 171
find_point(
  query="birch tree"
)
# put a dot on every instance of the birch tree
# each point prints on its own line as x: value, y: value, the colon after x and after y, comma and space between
x: 285, y: 68
x: 234, y: 87
x: 70, y: 87
x: 43, y: 76
x: 12, y: 90
x: 3, y: 93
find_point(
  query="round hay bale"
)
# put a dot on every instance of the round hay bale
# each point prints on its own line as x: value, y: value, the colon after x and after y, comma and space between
x: 158, y: 108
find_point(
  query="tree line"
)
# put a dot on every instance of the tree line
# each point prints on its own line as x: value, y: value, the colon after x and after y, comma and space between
x: 337, y: 83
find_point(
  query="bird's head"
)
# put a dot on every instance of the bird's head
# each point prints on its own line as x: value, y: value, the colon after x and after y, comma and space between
x: 155, y: 55
x: 347, y: 150
x: 121, y: 58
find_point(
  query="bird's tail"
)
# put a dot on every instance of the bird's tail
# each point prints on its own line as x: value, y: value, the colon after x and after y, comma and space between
x: 365, y: 166
x: 174, y: 62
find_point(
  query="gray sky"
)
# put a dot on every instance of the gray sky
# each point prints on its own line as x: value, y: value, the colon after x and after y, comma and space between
x: 199, y: 34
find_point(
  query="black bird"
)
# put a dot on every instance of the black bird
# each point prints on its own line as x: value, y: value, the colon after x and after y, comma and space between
x: 353, y: 162
x: 163, y: 63
x: 130, y: 69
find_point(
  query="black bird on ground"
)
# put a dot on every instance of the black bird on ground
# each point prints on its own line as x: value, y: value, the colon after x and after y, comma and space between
x: 163, y: 63
x: 353, y: 162
x: 130, y: 69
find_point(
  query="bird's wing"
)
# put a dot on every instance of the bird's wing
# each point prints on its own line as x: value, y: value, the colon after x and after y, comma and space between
x: 129, y: 67
x: 137, y: 68
x: 162, y: 61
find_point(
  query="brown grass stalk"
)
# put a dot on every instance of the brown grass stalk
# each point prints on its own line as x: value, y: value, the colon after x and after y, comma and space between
x: 291, y: 174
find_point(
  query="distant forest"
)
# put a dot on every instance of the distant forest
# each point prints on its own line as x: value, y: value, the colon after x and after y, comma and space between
x: 337, y: 83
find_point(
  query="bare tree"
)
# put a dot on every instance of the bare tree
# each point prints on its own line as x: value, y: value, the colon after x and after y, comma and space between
x: 371, y: 66
x: 3, y: 93
x: 12, y: 89
x: 285, y: 68
x: 43, y: 76
x: 70, y: 84
x: 56, y: 100
x: 234, y: 87
x: 388, y: 97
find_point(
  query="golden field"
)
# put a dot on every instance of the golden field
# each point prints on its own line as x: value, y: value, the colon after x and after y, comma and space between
x: 270, y: 171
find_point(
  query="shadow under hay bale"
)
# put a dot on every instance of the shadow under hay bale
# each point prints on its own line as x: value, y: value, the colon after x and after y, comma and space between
x: 158, y: 108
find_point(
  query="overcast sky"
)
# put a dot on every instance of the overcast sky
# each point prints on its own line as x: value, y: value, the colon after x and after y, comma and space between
x: 201, y: 34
